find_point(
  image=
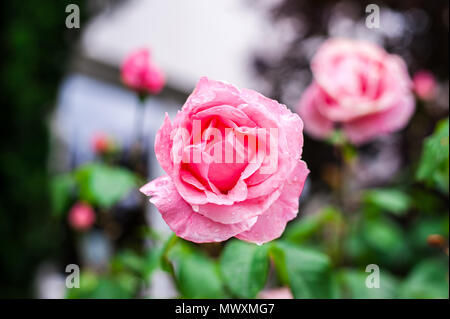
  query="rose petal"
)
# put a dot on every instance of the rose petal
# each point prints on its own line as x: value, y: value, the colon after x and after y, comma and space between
x: 272, y: 223
x: 163, y: 145
x: 366, y: 128
x: 228, y: 113
x: 334, y: 52
x: 316, y: 124
x: 209, y: 93
x: 239, y: 211
x: 290, y: 125
x: 183, y: 220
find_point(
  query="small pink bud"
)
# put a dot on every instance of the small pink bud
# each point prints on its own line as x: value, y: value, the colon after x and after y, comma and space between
x: 140, y: 73
x: 425, y: 84
x: 81, y: 216
x: 100, y: 143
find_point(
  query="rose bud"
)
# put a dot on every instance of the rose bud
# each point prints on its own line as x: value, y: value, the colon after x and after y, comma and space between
x: 140, y: 73
x: 359, y: 87
x: 101, y: 143
x: 425, y: 84
x: 81, y: 216
x: 233, y: 163
x: 435, y: 240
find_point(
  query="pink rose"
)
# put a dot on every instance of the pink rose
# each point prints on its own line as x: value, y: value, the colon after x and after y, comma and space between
x: 232, y: 159
x: 141, y: 74
x: 81, y: 216
x: 359, y: 87
x: 424, y: 84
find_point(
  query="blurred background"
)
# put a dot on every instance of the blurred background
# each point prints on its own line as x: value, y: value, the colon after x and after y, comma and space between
x: 76, y: 145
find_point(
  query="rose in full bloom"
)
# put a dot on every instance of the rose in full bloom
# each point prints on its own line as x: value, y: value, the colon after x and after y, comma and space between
x: 424, y: 84
x: 81, y: 216
x: 358, y: 87
x: 140, y: 73
x: 233, y: 164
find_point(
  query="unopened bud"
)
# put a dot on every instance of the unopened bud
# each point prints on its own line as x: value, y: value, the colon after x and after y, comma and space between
x: 436, y: 240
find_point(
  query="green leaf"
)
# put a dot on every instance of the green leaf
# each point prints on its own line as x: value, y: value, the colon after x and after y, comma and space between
x: 157, y: 256
x: 353, y: 285
x: 308, y: 271
x: 434, y: 164
x: 244, y: 268
x: 104, y: 287
x: 390, y: 200
x: 428, y: 279
x: 424, y: 227
x: 61, y: 188
x: 306, y: 227
x: 426, y: 202
x: 387, y: 239
x: 104, y: 185
x: 197, y: 275
x: 129, y: 260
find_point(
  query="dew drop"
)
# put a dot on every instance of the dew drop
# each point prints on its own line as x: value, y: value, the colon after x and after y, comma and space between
x: 195, y: 208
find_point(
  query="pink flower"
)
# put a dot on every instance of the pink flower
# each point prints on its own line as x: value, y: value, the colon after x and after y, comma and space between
x: 100, y: 143
x: 359, y: 87
x: 424, y: 84
x: 81, y: 216
x: 276, y: 293
x: 232, y: 159
x: 141, y: 74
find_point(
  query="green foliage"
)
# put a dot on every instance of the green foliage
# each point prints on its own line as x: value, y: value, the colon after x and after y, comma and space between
x: 61, y: 188
x: 428, y: 279
x: 308, y: 226
x: 129, y: 260
x: 426, y: 226
x: 393, y: 201
x: 386, y: 237
x: 92, y: 286
x: 98, y: 184
x: 426, y: 202
x: 244, y: 268
x: 353, y: 285
x: 104, y: 185
x: 434, y: 164
x: 379, y: 239
x: 308, y: 271
x: 197, y: 276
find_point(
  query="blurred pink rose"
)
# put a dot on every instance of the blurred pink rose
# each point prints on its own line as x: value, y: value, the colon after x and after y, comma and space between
x: 359, y: 87
x: 276, y: 293
x: 141, y: 74
x: 424, y: 84
x: 81, y: 216
x: 232, y: 159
